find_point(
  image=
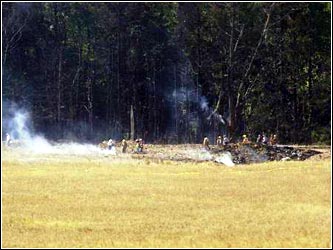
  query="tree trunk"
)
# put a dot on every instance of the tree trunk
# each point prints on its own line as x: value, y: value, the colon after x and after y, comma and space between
x: 109, y: 91
x: 309, y: 96
x: 89, y: 106
x: 118, y: 119
x: 155, y: 108
x: 59, y: 92
x: 175, y: 99
x: 132, y: 124
x: 232, y: 121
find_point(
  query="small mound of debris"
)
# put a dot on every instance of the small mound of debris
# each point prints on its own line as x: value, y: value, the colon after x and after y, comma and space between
x: 255, y: 153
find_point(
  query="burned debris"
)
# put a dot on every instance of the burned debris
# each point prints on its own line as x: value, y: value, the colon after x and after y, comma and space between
x: 255, y: 153
x: 238, y: 153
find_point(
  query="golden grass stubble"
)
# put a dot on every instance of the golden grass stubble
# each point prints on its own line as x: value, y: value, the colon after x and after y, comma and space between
x: 103, y: 203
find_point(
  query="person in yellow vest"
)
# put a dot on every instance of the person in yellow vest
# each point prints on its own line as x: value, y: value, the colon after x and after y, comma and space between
x: 139, y: 145
x: 245, y: 140
x: 273, y: 140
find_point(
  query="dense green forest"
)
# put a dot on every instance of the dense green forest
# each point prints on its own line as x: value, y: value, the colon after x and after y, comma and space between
x: 180, y: 70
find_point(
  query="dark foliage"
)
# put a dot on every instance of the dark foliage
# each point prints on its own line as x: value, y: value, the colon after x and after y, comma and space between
x: 188, y: 69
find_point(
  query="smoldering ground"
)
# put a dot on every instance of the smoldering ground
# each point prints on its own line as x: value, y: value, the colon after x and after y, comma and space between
x: 23, y: 139
x: 27, y: 142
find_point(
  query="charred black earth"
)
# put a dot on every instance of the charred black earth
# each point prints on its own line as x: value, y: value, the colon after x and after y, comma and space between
x: 236, y: 153
x: 254, y: 153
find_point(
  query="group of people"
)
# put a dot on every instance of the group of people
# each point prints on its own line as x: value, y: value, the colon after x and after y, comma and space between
x: 262, y: 139
x: 223, y: 141
x: 220, y: 141
x: 124, y: 145
x: 112, y: 145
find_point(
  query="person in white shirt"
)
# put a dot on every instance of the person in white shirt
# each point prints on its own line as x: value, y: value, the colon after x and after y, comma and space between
x: 225, y: 140
x: 264, y: 139
x: 110, y: 144
x: 8, y: 139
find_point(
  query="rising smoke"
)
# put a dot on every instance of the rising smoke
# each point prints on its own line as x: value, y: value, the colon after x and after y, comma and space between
x: 208, y: 110
x: 226, y: 159
x: 18, y: 125
x: 189, y: 105
x: 204, y: 155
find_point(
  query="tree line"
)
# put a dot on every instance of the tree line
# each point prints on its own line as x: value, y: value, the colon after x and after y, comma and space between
x: 185, y: 70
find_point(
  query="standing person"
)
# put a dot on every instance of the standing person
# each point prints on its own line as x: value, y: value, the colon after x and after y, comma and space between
x: 274, y: 140
x: 225, y: 140
x: 264, y: 139
x: 137, y: 146
x: 8, y: 139
x: 245, y: 139
x: 205, y: 143
x: 110, y: 144
x: 219, y: 141
x: 259, y: 138
x: 270, y: 141
x: 141, y: 145
x: 123, y: 145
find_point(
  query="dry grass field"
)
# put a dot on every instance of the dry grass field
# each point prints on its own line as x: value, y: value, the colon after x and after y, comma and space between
x: 118, y: 202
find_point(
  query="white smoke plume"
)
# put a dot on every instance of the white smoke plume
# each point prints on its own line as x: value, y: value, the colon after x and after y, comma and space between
x: 204, y: 104
x: 199, y: 155
x: 204, y: 155
x: 22, y: 136
x: 226, y: 159
x: 205, y: 107
x: 19, y: 125
x: 183, y: 95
